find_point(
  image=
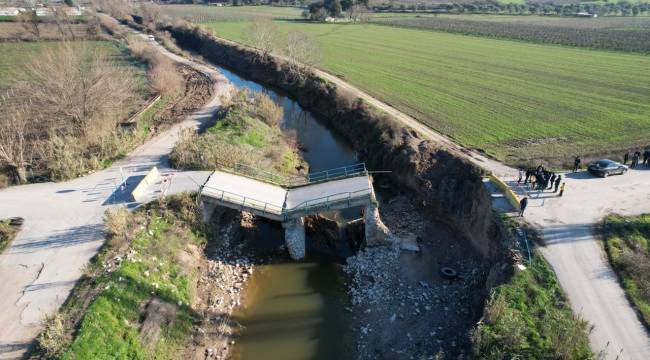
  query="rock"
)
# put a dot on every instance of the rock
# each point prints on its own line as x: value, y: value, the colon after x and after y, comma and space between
x: 424, y: 284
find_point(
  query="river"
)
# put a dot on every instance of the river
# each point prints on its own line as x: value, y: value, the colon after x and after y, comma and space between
x: 296, y: 310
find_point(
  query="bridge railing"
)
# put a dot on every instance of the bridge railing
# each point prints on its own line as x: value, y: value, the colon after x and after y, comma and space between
x: 259, y: 174
x: 243, y: 201
x: 295, y: 181
x: 340, y: 172
x: 330, y: 202
x: 325, y: 203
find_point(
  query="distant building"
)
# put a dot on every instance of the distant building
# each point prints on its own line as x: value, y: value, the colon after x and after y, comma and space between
x: 586, y: 14
x: 43, y: 11
x: 71, y: 11
x: 9, y: 11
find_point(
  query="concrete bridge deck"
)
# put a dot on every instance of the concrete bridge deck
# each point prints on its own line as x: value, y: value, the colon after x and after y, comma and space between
x: 282, y: 203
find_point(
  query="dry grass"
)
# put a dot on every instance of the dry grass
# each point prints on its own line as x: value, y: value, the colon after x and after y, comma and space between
x: 247, y: 132
x: 267, y: 110
x: 163, y: 76
x: 55, y: 335
x: 15, y: 31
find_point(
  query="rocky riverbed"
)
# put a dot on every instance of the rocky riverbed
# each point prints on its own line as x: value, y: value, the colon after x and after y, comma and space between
x: 223, y: 278
x: 402, y: 305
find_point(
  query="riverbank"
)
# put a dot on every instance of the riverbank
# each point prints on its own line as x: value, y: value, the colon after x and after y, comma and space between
x: 402, y: 287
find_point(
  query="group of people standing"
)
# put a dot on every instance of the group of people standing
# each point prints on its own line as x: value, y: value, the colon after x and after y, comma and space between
x: 541, y: 179
x: 636, y: 157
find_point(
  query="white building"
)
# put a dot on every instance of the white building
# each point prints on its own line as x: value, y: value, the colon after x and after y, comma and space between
x: 43, y: 11
x: 9, y: 11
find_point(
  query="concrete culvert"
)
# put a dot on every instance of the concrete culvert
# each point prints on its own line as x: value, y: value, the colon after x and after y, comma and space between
x: 448, y: 272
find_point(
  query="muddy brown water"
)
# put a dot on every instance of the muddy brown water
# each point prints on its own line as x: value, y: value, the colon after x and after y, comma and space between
x: 296, y: 310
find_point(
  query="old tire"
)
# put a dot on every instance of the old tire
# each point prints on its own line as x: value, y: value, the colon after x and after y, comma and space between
x: 448, y: 272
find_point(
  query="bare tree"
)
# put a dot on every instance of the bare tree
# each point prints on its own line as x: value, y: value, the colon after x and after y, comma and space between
x: 301, y: 51
x: 63, y: 22
x: 78, y: 88
x: 262, y: 35
x: 30, y: 21
x: 164, y: 77
x: 14, y: 145
x: 150, y: 12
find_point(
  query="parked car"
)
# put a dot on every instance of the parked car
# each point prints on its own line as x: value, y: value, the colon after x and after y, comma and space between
x: 605, y: 167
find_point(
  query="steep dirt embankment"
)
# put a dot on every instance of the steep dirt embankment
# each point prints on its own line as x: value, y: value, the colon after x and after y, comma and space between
x: 448, y: 186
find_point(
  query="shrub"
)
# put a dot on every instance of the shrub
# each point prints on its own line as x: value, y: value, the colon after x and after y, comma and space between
x: 265, y: 109
x: 117, y: 221
x: 55, y: 335
x: 528, y: 317
x: 627, y: 242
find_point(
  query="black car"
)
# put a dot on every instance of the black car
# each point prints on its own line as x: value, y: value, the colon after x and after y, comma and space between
x: 605, y: 167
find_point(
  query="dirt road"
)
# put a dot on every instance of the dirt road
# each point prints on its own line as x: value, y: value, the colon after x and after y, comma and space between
x: 63, y: 229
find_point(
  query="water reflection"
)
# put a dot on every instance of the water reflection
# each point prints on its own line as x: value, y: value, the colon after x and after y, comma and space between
x: 296, y: 310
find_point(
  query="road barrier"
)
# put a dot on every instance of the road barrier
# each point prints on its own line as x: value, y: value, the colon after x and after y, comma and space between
x: 141, y: 189
x: 507, y: 192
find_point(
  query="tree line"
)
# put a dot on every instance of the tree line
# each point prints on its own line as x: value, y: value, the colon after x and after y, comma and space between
x: 621, y: 8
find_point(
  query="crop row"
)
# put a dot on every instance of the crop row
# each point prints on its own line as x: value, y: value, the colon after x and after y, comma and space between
x: 632, y: 39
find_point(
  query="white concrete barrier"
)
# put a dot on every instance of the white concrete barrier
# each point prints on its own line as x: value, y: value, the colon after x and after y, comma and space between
x: 140, y: 190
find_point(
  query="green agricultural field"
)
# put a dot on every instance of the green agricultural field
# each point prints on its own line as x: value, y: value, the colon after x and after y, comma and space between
x: 514, y: 100
x: 198, y: 13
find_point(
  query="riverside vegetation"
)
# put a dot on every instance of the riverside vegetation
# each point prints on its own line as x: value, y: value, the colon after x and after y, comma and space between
x: 529, y: 317
x: 137, y: 295
x: 627, y: 242
x: 247, y: 132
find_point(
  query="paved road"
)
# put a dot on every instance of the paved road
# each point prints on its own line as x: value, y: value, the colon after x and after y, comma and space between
x: 63, y: 229
x: 580, y: 262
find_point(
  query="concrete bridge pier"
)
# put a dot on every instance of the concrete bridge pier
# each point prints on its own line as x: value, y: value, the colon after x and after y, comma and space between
x: 294, y: 237
x: 208, y: 210
x: 376, y: 232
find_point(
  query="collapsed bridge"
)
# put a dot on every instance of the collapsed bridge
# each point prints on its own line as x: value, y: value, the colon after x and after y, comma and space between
x: 290, y: 200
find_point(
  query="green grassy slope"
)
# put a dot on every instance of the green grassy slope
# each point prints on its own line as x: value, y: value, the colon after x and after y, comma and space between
x: 509, y: 98
x: 627, y: 242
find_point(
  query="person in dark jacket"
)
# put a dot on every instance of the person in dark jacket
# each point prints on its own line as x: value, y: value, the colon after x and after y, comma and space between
x: 576, y: 164
x: 635, y: 160
x: 557, y: 183
x: 626, y: 157
x: 528, y: 173
x: 522, y: 205
x: 552, y: 181
x: 646, y: 157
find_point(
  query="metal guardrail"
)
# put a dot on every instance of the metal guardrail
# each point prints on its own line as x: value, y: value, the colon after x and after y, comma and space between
x: 340, y: 172
x: 259, y: 174
x: 329, y: 202
x: 295, y: 181
x: 324, y: 203
x: 243, y: 201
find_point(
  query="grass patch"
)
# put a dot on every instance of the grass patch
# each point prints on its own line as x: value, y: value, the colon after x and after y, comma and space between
x: 530, y: 318
x: 15, y: 55
x: 246, y: 132
x: 627, y: 242
x: 515, y: 100
x: 197, y: 13
x: 7, y: 233
x: 157, y: 248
